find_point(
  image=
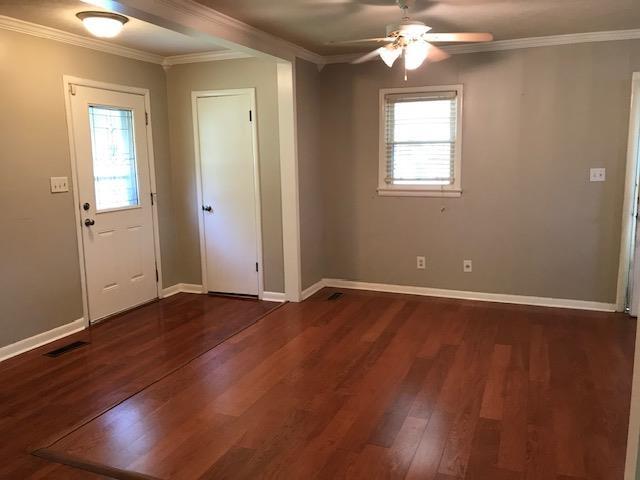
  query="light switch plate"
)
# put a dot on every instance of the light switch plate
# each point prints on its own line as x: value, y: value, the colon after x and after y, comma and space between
x: 467, y: 266
x: 59, y: 184
x: 597, y: 174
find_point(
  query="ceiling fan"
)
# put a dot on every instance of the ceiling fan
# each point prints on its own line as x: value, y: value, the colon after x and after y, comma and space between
x: 413, y: 40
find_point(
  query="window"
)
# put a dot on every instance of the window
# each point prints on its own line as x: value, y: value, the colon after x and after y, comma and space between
x: 420, y: 141
x: 114, y: 158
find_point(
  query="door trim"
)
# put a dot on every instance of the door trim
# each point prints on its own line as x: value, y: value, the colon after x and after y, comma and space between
x: 68, y: 81
x: 256, y: 178
x: 627, y: 241
x: 627, y: 236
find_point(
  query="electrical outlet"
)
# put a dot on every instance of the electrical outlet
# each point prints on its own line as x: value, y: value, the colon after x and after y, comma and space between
x: 421, y: 263
x: 467, y: 266
x: 59, y: 184
x: 597, y: 174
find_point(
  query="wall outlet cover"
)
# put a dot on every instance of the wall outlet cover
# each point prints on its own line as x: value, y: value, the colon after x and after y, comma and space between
x: 421, y: 263
x: 597, y: 174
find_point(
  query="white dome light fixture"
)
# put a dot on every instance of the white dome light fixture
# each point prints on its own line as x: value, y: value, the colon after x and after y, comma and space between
x: 103, y: 24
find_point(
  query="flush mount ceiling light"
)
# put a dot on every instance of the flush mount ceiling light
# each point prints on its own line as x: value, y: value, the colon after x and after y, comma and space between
x: 103, y: 24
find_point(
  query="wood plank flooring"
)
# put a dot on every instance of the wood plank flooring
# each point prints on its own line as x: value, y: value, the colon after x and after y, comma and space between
x: 42, y: 398
x: 365, y: 386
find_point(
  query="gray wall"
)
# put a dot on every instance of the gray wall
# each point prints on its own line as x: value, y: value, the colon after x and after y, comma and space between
x: 535, y: 120
x: 39, y: 271
x: 310, y: 173
x: 227, y: 74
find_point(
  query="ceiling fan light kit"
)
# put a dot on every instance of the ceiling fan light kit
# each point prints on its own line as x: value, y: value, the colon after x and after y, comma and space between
x: 414, y: 54
x: 413, y: 40
x: 389, y: 54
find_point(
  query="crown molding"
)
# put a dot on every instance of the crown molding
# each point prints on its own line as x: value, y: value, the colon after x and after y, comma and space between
x: 548, y: 41
x: 286, y: 48
x: 48, y: 33
x: 239, y: 26
x: 232, y: 33
x: 203, y: 57
x: 531, y: 42
x: 28, y: 28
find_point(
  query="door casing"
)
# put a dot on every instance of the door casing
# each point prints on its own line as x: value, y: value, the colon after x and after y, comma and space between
x: 68, y: 82
x: 256, y: 173
x: 628, y: 234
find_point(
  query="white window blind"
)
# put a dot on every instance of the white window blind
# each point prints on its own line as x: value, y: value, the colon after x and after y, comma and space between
x: 420, y: 131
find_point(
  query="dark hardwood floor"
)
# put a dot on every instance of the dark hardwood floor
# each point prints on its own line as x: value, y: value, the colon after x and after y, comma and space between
x: 42, y: 398
x: 365, y: 386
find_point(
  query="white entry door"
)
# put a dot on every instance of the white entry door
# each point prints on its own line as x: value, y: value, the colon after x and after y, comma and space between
x: 228, y: 186
x: 109, y: 131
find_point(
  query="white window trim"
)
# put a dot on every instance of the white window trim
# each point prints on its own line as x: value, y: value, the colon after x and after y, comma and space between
x: 454, y: 190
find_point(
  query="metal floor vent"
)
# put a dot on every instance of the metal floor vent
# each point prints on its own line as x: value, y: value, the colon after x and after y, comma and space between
x: 67, y: 348
x: 335, y: 296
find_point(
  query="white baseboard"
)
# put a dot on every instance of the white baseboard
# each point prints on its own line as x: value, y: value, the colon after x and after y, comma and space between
x: 194, y: 288
x: 273, y: 297
x: 41, y: 339
x: 191, y: 288
x: 319, y: 285
x: 463, y: 295
x: 181, y: 288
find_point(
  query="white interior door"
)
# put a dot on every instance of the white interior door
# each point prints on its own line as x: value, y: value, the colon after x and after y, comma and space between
x: 225, y: 138
x: 109, y: 130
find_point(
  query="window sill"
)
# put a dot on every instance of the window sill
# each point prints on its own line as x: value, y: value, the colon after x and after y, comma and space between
x: 397, y: 192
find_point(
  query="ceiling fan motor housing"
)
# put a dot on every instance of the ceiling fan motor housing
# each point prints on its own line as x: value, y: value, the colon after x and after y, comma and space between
x: 410, y: 29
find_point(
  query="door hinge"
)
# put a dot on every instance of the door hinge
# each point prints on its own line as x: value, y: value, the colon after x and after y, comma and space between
x: 256, y: 266
x: 72, y: 89
x: 152, y: 201
x: 157, y: 276
x: 146, y: 118
x: 250, y: 116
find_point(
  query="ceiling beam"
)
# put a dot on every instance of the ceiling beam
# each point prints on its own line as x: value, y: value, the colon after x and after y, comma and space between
x: 194, y: 19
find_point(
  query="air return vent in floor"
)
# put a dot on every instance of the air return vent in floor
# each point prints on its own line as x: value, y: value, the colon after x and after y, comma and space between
x: 335, y: 296
x: 66, y: 348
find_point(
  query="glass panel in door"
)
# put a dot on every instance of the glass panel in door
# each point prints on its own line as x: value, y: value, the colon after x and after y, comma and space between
x: 114, y: 158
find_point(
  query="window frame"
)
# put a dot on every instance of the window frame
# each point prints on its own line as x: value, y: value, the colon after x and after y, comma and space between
x: 453, y: 190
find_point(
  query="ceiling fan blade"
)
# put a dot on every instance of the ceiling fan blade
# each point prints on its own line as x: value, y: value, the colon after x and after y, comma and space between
x: 367, y: 57
x: 457, y: 37
x: 436, y: 54
x: 362, y: 40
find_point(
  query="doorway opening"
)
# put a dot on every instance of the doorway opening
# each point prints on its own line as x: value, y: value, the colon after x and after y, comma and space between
x: 629, y: 269
x: 628, y: 298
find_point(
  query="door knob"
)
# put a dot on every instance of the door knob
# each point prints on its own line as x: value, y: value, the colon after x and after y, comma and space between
x: 207, y: 208
x: 89, y: 222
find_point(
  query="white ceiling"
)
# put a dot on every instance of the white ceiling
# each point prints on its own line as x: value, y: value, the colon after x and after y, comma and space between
x: 312, y: 23
x: 61, y: 14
